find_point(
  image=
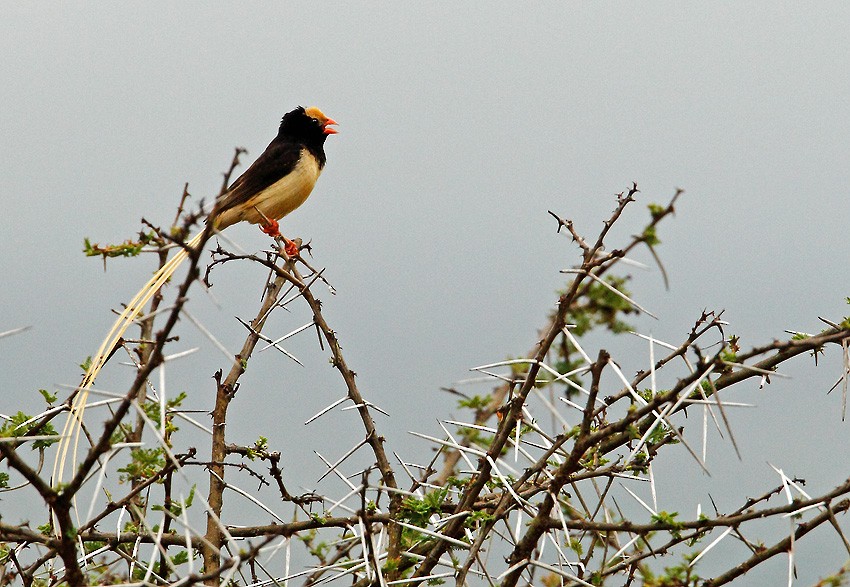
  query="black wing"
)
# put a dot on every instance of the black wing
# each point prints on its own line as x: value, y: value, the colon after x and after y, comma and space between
x: 277, y: 161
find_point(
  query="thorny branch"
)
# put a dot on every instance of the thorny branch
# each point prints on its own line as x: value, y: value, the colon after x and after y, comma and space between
x: 547, y: 515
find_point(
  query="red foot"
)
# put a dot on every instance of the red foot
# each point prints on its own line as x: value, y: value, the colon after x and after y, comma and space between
x: 271, y: 228
x: 290, y: 247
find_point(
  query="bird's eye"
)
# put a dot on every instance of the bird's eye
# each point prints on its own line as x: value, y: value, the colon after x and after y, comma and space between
x: 316, y: 120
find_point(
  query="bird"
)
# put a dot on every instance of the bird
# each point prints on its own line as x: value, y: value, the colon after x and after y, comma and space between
x: 278, y: 182
x: 281, y: 178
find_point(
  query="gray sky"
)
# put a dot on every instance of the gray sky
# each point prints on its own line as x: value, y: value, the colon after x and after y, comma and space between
x: 459, y: 129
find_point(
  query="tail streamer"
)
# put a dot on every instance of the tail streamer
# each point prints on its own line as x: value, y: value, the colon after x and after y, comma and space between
x: 73, y: 425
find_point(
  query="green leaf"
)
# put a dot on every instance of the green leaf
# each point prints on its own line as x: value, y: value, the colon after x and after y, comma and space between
x: 14, y: 428
x: 48, y: 397
x: 650, y: 236
x: 144, y: 464
x: 656, y: 210
x: 128, y: 248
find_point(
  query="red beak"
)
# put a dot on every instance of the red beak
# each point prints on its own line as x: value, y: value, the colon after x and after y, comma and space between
x: 327, y: 130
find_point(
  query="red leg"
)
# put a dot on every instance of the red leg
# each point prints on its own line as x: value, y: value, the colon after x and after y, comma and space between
x: 290, y: 247
x: 271, y: 228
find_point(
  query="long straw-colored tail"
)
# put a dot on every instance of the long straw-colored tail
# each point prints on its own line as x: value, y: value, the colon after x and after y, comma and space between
x: 71, y: 431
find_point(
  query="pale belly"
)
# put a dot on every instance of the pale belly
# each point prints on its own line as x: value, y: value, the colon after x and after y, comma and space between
x: 280, y: 198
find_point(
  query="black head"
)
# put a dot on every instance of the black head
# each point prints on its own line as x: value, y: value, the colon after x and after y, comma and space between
x: 306, y: 125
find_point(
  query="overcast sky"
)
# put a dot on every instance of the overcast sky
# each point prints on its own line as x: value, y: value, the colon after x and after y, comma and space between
x: 460, y: 127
